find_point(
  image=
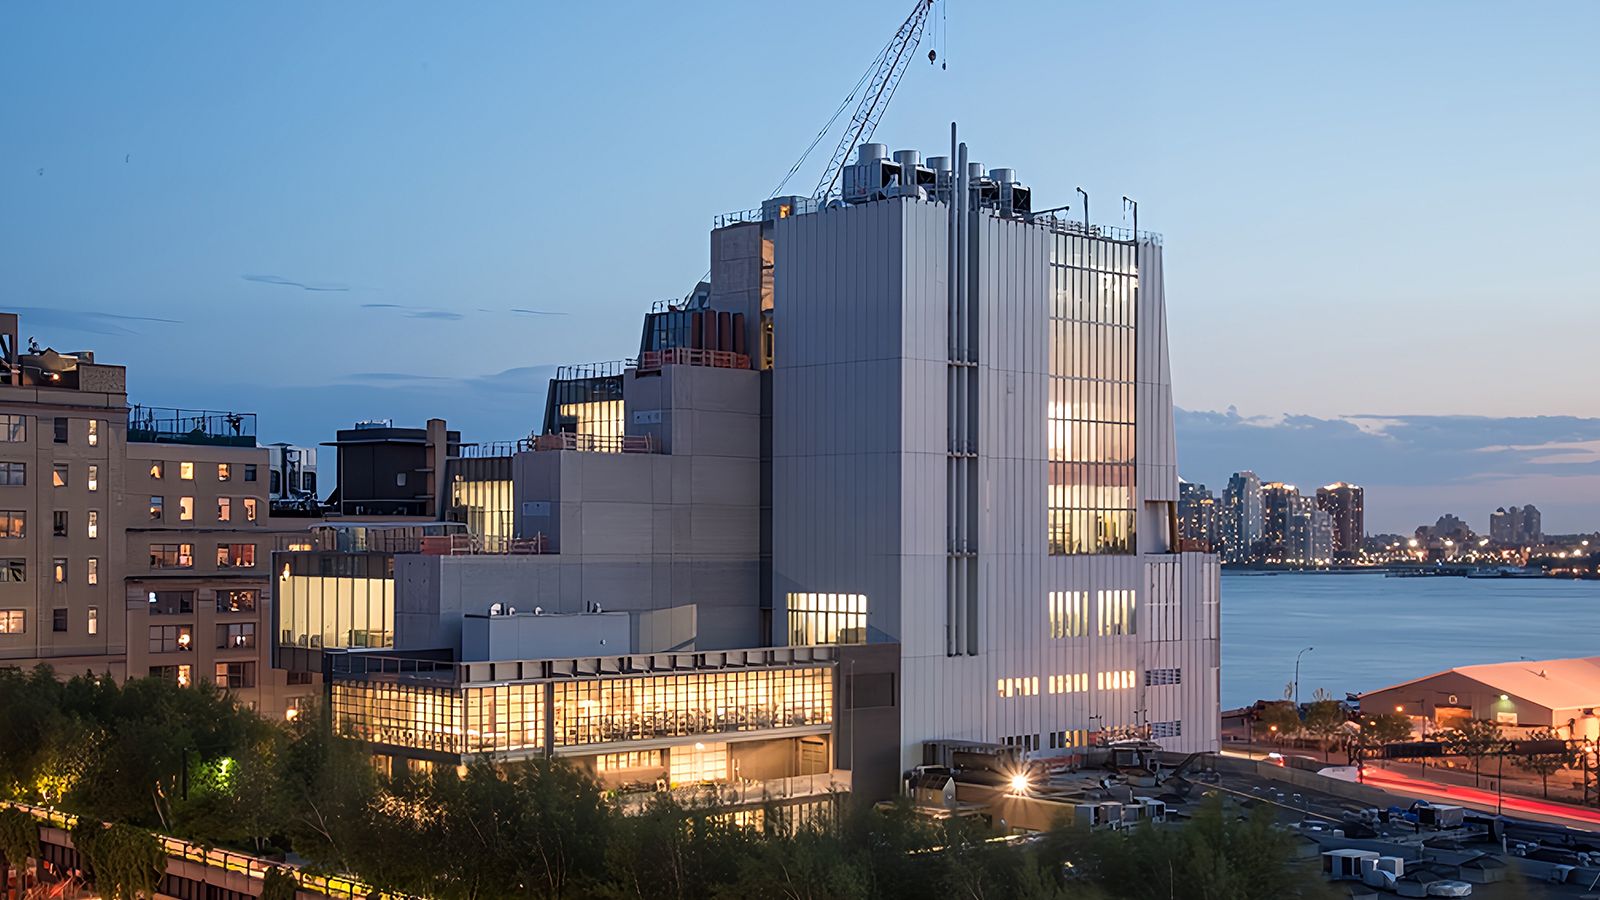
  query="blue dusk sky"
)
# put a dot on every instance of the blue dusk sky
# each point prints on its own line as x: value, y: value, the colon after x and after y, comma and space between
x: 1379, y: 217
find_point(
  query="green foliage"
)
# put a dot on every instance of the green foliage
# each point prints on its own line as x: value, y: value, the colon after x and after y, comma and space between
x: 1279, y: 720
x: 1474, y: 739
x: 1325, y: 720
x: 1385, y: 728
x: 19, y: 836
x: 278, y: 884
x: 125, y: 863
x: 1546, y: 764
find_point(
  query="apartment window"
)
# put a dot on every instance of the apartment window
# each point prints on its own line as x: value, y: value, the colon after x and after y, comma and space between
x: 186, y: 509
x: 94, y: 479
x: 13, y: 570
x: 299, y: 677
x: 224, y: 471
x: 224, y: 509
x: 1068, y: 613
x: 58, y: 619
x: 58, y: 474
x: 237, y: 601
x: 156, y: 506
x: 171, y: 556
x: 179, y: 674
x: 236, y: 556
x: 249, y: 471
x: 94, y: 620
x: 236, y: 674
x: 171, y: 638
x: 170, y: 603
x: 237, y: 636
x: 59, y: 571
x: 92, y: 576
x: 61, y: 430
x: 186, y: 471
x: 94, y: 524
x: 1117, y: 613
x: 58, y: 523
x: 15, y: 473
x: 94, y: 432
x: 13, y: 621
x: 1153, y: 677
x: 1075, y: 683
x: 158, y: 470
x: 13, y: 523
x: 13, y: 429
x: 249, y: 509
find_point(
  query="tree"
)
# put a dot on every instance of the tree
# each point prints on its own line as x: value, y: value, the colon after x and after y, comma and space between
x: 1474, y: 739
x: 125, y: 863
x: 1325, y: 719
x: 1280, y: 720
x: 1545, y: 764
x: 19, y: 837
x: 278, y: 884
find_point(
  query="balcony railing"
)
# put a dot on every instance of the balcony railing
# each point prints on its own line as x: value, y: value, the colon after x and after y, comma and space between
x: 472, y: 545
x: 653, y: 360
x: 592, y: 443
x: 740, y: 793
x: 167, y: 425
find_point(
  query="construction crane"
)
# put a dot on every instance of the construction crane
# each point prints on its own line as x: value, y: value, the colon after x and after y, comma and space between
x: 884, y: 73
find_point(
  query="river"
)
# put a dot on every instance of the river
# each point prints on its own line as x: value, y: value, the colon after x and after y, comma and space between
x: 1370, y: 631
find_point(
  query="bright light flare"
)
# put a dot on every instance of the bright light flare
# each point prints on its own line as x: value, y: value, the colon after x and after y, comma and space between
x: 1020, y: 783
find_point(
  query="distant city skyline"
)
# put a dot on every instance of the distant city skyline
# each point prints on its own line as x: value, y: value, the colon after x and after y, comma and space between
x: 429, y: 211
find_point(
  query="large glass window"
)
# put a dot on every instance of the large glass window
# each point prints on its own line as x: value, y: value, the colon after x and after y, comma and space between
x: 350, y: 606
x: 171, y: 556
x: 235, y: 674
x: 171, y: 638
x: 485, y: 507
x: 170, y: 603
x: 13, y: 429
x: 1069, y: 613
x: 237, y: 601
x: 1094, y: 298
x: 644, y: 708
x: 1117, y: 613
x: 179, y: 674
x: 236, y: 636
x: 13, y: 570
x: 827, y: 619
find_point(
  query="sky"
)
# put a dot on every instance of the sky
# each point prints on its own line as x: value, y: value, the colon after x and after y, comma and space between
x: 1378, y: 217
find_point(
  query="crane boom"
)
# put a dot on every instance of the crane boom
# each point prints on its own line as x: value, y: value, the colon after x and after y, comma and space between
x: 885, y: 77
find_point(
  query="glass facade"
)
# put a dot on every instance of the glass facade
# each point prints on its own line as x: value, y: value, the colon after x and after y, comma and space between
x: 348, y: 603
x: 480, y: 498
x: 502, y: 718
x: 1094, y: 301
x: 827, y: 619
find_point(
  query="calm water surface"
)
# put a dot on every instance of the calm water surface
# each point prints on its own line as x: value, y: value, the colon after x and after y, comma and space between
x: 1370, y: 631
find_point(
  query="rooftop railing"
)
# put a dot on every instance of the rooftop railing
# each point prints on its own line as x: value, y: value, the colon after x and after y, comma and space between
x: 169, y: 425
x: 592, y: 443
x: 358, y: 663
x: 653, y: 360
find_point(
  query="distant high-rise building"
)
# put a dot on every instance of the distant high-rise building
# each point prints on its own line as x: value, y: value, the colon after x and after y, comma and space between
x: 1344, y: 503
x: 1279, y: 508
x: 1197, y: 516
x: 1451, y: 527
x: 1241, y: 516
x: 1516, y: 525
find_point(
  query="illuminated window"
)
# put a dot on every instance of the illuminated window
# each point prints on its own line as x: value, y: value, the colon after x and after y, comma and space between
x: 59, y: 569
x: 1069, y: 614
x: 13, y: 621
x: 94, y: 478
x: 1075, y: 683
x: 1118, y: 680
x: 237, y: 601
x: 94, y: 620
x: 13, y: 429
x: 235, y: 674
x: 158, y: 470
x: 699, y: 763
x: 633, y: 759
x: 1116, y: 613
x: 186, y: 509
x: 13, y: 523
x: 186, y: 471
x: 93, y: 527
x: 224, y: 509
x: 1018, y: 687
x: 171, y: 556
x: 171, y: 638
x: 1090, y: 413
x: 236, y: 556
x: 827, y: 619
x: 93, y: 576
x: 179, y: 674
x: 249, y: 509
x: 94, y: 432
x: 236, y: 636
x: 224, y: 471
x: 156, y: 505
x: 485, y: 505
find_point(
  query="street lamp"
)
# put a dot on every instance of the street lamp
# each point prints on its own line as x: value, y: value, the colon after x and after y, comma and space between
x: 1297, y: 677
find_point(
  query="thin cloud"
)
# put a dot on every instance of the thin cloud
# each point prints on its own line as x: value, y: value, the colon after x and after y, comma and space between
x: 417, y: 312
x: 536, y: 312
x: 289, y: 282
x: 87, y: 321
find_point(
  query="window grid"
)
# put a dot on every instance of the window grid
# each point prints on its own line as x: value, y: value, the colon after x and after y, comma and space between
x: 171, y: 638
x: 237, y: 601
x: 1073, y: 683
x: 827, y: 619
x: 1117, y: 613
x: 15, y: 473
x: 1115, y: 680
x: 1069, y: 613
x: 1166, y: 729
x: 13, y: 621
x: 13, y: 571
x: 1023, y: 686
x: 236, y: 556
x: 1153, y: 677
x: 13, y: 523
x: 13, y: 429
x: 1090, y: 418
x: 171, y: 556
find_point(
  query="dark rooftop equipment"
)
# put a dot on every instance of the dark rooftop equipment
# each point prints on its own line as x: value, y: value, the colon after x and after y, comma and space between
x: 388, y: 471
x: 201, y: 427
